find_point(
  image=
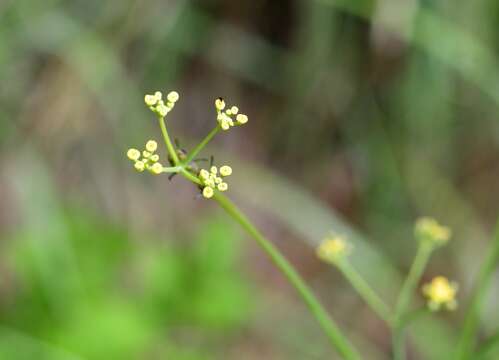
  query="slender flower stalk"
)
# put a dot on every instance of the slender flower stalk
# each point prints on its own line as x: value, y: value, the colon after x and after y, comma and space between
x: 430, y: 235
x: 365, y: 291
x: 410, y: 284
x: 339, y: 341
x: 168, y: 142
x: 202, y: 144
x: 212, y: 184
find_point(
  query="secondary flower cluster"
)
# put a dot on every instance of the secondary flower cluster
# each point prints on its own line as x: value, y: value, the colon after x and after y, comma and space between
x: 211, y: 181
x: 429, y: 230
x: 441, y: 293
x: 333, y: 248
x: 225, y: 118
x: 147, y: 159
x: 158, y: 106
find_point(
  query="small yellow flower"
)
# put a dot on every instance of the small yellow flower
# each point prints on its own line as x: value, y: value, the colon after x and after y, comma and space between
x: 172, y: 96
x: 162, y: 109
x: 154, y: 158
x: 440, y: 292
x: 139, y: 166
x: 157, y: 168
x: 333, y: 248
x: 150, y: 100
x: 158, y: 95
x: 234, y: 110
x: 204, y: 174
x: 151, y: 146
x: 225, y: 170
x: 222, y: 186
x: 428, y: 229
x: 146, y: 154
x: 241, y: 119
x: 133, y: 154
x: 208, y: 192
x: 214, y: 170
x: 220, y: 104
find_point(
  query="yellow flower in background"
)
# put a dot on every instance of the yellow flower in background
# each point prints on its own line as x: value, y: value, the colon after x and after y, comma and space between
x: 440, y: 292
x: 333, y: 248
x: 428, y: 229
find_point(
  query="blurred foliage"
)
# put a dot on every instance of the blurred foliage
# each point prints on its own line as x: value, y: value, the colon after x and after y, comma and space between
x: 126, y: 297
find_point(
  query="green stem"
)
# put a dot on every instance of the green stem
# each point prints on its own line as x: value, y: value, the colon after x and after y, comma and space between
x: 173, y: 169
x: 202, y: 144
x: 168, y: 142
x: 410, y: 284
x: 471, y: 321
x: 365, y: 291
x: 339, y: 341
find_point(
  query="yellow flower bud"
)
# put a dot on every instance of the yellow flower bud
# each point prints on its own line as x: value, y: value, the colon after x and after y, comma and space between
x: 333, y: 249
x: 225, y: 170
x: 214, y: 170
x: 157, y: 168
x: 204, y: 174
x: 222, y: 186
x: 172, y: 96
x: 162, y: 110
x: 150, y: 100
x: 208, y: 192
x: 219, y: 104
x: 224, y: 125
x: 146, y: 154
x: 158, y: 95
x: 133, y: 154
x: 154, y: 158
x: 241, y: 119
x: 151, y: 146
x: 428, y: 229
x: 234, y: 110
x: 139, y: 166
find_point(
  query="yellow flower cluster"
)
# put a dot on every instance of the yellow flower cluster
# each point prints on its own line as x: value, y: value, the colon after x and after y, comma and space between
x: 211, y: 181
x: 147, y: 159
x: 333, y: 248
x: 225, y: 118
x: 428, y: 229
x: 440, y: 292
x: 157, y: 105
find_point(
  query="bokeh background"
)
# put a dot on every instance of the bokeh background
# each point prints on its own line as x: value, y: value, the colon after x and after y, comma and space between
x: 363, y: 115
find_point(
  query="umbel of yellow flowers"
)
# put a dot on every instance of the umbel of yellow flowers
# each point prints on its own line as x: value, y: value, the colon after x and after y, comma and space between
x: 333, y: 248
x: 441, y: 293
x: 211, y: 181
x: 147, y: 159
x: 225, y: 117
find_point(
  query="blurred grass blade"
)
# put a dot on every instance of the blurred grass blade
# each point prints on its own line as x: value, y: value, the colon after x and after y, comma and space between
x: 471, y: 322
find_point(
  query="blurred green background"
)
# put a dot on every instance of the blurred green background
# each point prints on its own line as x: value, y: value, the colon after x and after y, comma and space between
x: 363, y: 116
